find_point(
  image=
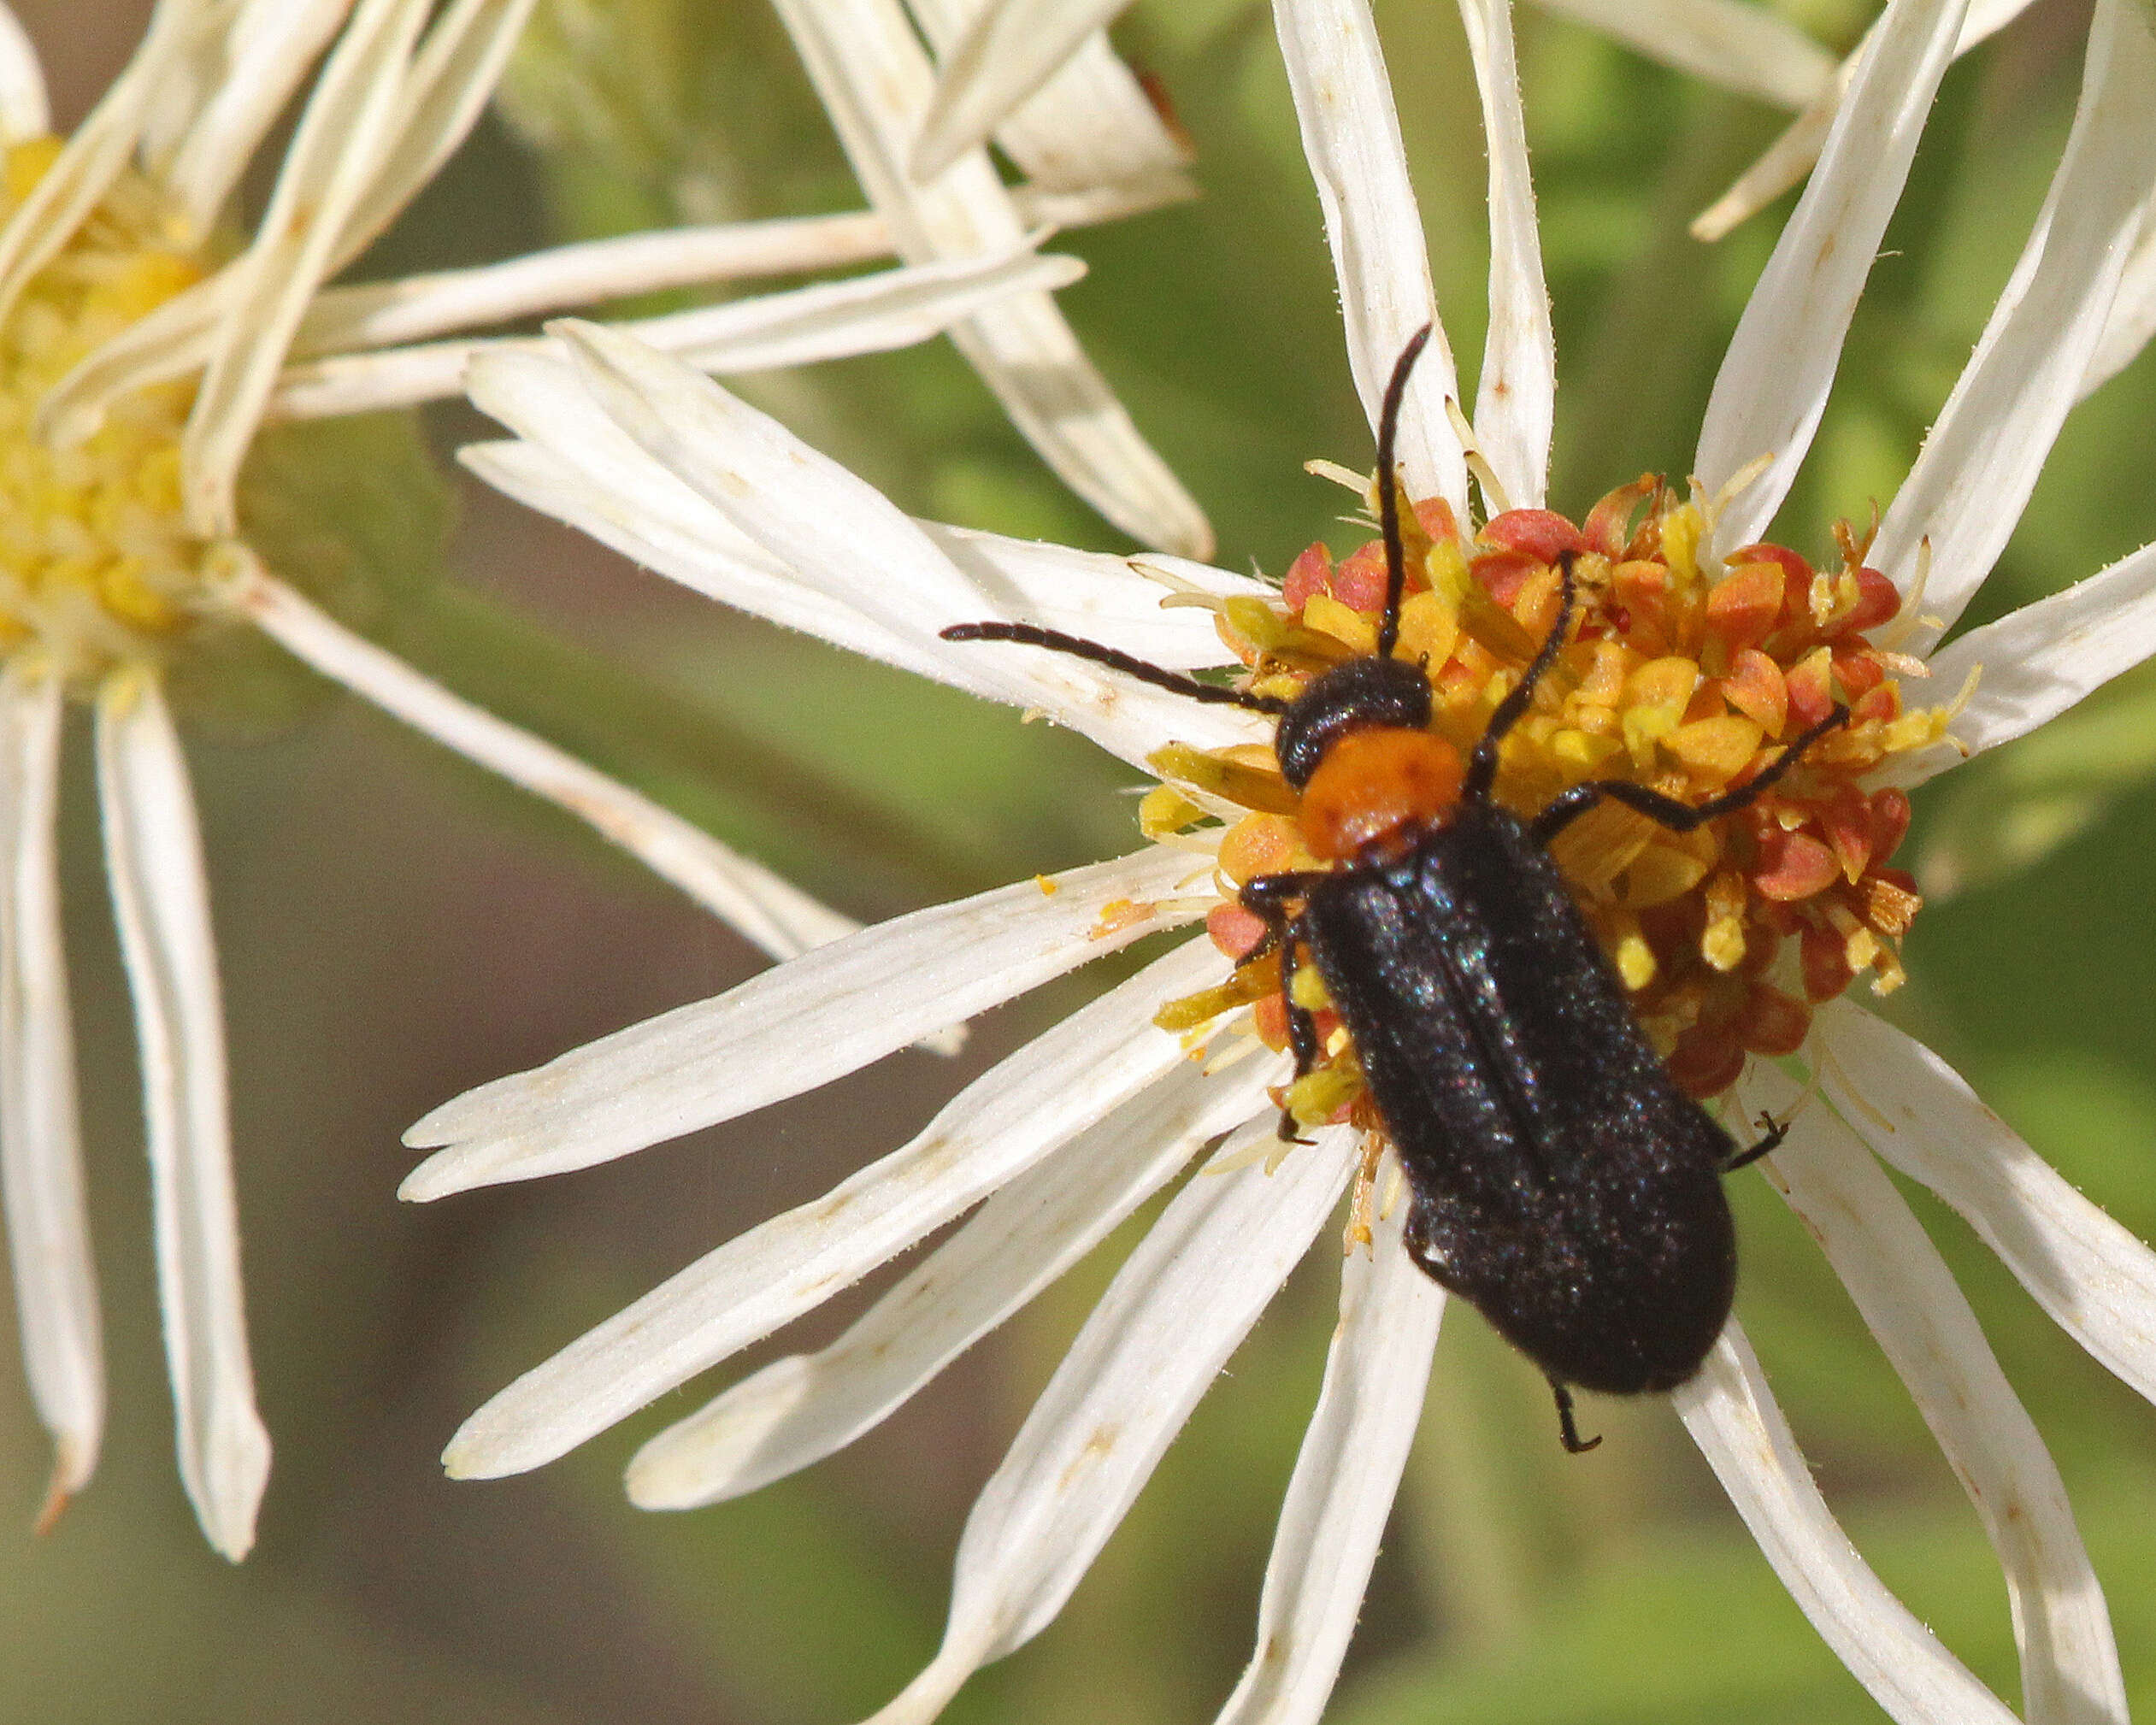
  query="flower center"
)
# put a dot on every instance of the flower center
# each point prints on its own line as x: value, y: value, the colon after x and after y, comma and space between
x: 1683, y: 679
x: 97, y: 564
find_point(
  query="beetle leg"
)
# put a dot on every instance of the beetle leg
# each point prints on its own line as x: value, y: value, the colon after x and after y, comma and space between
x: 1481, y: 767
x: 1268, y: 895
x: 1666, y: 811
x: 1568, y: 1430
x: 1775, y: 1131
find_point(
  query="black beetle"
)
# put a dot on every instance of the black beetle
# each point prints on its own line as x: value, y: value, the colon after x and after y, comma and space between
x: 1561, y: 1181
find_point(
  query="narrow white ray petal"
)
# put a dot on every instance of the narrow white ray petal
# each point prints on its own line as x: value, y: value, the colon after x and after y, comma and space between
x: 656, y: 520
x: 802, y: 326
x: 342, y: 134
x: 1517, y: 397
x: 777, y: 918
x: 1091, y: 122
x: 1352, y: 139
x: 257, y: 67
x: 1174, y: 1314
x: 2132, y: 319
x: 167, y: 341
x: 24, y: 113
x: 1741, y: 47
x: 1344, y: 1478
x: 55, y: 1278
x: 1789, y: 157
x: 874, y: 78
x: 800, y: 1409
x: 1105, y: 598
x: 2041, y: 660
x: 98, y: 151
x: 841, y: 537
x: 450, y: 78
x: 1008, y: 51
x: 1981, y: 457
x: 1732, y: 1416
x: 1773, y: 379
x: 160, y: 901
x: 583, y: 468
x: 2069, y: 1670
x: 2097, y: 1281
x: 786, y: 1031
x: 1001, y: 1125
x: 381, y: 314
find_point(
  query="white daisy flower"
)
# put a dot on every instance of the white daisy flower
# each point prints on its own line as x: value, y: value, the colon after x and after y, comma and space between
x: 1704, y: 650
x: 138, y: 369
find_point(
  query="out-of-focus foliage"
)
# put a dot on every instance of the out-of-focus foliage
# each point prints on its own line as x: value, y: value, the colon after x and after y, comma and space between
x: 395, y: 928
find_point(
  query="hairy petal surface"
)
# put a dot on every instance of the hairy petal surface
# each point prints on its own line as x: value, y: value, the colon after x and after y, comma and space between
x: 800, y: 1409
x: 1352, y: 139
x: 1346, y: 1476
x: 40, y: 1141
x: 161, y: 900
x: 1174, y: 1314
x: 2097, y: 1281
x: 1001, y: 1124
x: 2069, y: 1659
x: 1732, y: 1416
x: 825, y: 1014
x: 1773, y: 383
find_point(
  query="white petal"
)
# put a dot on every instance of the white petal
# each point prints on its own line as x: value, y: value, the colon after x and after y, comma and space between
x: 98, y: 151
x: 1351, y: 139
x: 762, y: 907
x: 381, y: 313
x: 1109, y: 599
x: 800, y: 1409
x: 1982, y: 458
x: 335, y: 150
x: 1001, y: 1124
x: 24, y: 113
x: 1741, y: 47
x: 1009, y: 50
x: 1344, y: 1478
x: 1166, y: 1326
x: 2097, y: 1281
x: 1516, y: 397
x: 1732, y: 1416
x: 842, y: 538
x: 1908, y: 1298
x: 450, y: 78
x: 802, y: 326
x: 1773, y: 379
x: 2041, y: 660
x: 1789, y: 157
x: 2132, y: 318
x: 40, y: 1150
x: 1089, y: 123
x: 654, y: 519
x: 869, y: 67
x: 253, y: 73
x: 153, y: 861
x: 814, y: 1019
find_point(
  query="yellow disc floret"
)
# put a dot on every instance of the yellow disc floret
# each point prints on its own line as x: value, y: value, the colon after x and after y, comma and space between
x: 96, y: 562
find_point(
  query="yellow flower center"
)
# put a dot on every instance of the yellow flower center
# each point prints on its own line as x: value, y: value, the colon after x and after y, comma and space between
x: 1675, y: 676
x: 97, y: 565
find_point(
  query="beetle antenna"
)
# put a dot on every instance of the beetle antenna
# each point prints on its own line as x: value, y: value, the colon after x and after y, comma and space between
x: 1389, y: 491
x: 1027, y: 635
x: 1482, y: 768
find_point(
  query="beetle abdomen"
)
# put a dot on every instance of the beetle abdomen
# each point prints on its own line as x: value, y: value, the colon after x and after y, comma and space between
x: 1562, y: 1183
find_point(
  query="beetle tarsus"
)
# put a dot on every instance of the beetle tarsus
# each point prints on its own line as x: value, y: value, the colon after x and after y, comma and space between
x: 1568, y: 1429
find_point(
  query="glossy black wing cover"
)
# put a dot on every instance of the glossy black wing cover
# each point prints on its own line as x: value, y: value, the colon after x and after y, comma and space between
x: 1561, y: 1181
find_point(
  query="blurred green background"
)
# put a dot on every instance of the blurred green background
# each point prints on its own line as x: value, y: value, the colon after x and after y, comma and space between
x: 395, y: 927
